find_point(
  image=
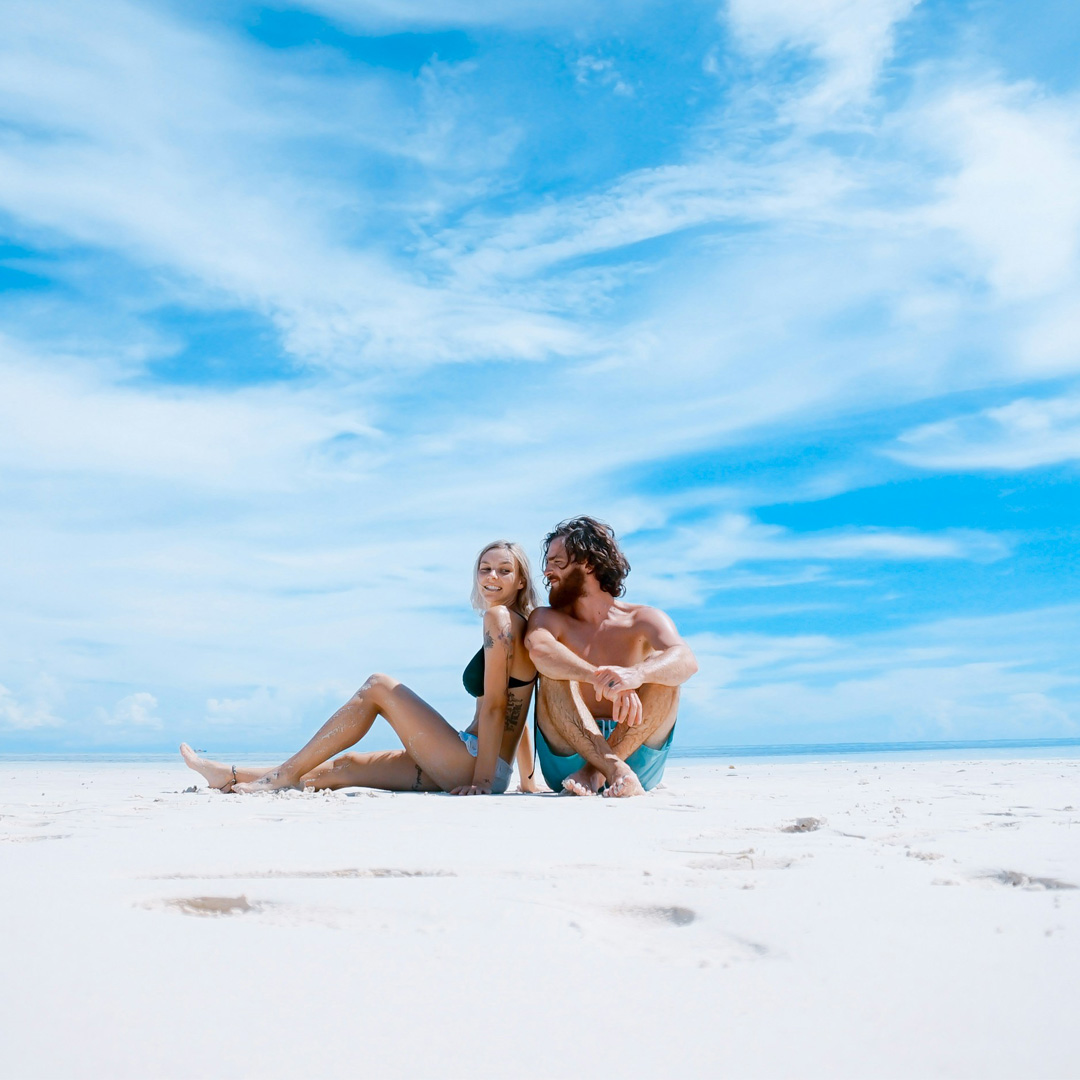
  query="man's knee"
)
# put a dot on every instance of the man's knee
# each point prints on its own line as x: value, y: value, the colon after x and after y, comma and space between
x: 552, y: 691
x: 659, y: 702
x: 660, y: 709
x: 553, y: 704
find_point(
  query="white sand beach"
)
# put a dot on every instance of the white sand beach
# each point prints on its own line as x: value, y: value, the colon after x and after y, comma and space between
x: 925, y: 923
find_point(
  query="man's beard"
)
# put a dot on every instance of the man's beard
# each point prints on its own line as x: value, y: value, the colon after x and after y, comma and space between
x: 563, y: 594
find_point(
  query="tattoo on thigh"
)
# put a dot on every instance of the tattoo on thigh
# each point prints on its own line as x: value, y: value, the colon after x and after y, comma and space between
x: 418, y: 783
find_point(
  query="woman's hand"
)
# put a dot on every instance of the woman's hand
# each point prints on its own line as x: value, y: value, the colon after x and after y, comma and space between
x: 472, y: 789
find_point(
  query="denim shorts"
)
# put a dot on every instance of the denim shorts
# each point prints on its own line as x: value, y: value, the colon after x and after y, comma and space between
x: 502, y: 770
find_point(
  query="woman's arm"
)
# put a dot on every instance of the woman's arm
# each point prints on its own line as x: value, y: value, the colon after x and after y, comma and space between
x: 498, y: 655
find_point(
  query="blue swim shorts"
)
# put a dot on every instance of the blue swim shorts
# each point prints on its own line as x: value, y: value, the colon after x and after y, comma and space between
x: 645, y: 761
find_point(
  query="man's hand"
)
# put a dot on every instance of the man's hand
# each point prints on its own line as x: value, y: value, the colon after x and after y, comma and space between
x: 627, y: 708
x: 472, y: 789
x: 610, y: 681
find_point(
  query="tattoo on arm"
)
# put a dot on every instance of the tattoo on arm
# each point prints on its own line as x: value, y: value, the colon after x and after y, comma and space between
x: 507, y: 638
x: 489, y: 641
x: 513, y: 712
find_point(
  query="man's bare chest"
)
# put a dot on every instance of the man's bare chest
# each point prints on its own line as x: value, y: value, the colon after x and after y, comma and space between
x: 605, y: 645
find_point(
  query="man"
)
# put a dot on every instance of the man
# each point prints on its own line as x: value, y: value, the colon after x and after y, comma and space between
x: 610, y: 671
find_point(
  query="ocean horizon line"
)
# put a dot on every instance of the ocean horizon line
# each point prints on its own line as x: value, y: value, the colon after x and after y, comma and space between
x: 733, y: 750
x: 845, y: 748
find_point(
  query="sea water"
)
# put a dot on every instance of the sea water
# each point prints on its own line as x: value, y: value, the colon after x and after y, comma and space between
x: 972, y: 749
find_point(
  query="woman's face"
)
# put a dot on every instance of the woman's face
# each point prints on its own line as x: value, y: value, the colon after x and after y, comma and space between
x: 498, y: 578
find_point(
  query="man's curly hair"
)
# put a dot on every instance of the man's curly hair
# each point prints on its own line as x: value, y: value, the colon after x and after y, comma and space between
x: 593, y: 543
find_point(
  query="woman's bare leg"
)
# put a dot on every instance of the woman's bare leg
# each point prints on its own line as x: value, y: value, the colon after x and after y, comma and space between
x: 429, y: 740
x: 217, y: 774
x: 388, y: 770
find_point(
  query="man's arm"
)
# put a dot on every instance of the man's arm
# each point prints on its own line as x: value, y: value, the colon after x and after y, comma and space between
x: 670, y: 663
x: 551, y: 657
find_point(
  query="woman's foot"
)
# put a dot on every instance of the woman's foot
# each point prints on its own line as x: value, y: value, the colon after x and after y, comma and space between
x: 221, y: 777
x: 272, y: 781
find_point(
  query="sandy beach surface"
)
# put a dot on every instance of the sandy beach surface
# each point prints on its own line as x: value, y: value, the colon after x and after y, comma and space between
x: 775, y: 919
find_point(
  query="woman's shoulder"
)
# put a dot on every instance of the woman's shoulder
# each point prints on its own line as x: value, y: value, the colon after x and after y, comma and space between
x: 498, y: 619
x: 503, y: 621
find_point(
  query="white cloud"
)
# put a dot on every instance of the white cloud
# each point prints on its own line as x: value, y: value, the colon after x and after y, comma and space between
x: 601, y: 71
x: 436, y: 14
x: 1024, y: 434
x: 736, y: 538
x: 70, y: 421
x: 34, y: 709
x: 1014, y: 198
x: 669, y: 569
x: 264, y: 707
x: 138, y: 710
x: 851, y: 38
x: 126, y: 149
x: 1007, y: 676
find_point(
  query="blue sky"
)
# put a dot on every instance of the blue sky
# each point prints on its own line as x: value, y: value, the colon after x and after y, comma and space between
x: 301, y: 304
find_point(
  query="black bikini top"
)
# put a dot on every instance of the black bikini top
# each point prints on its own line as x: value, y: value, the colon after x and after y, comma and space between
x: 472, y: 677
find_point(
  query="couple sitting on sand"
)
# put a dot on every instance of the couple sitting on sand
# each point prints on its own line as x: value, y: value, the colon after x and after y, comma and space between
x: 606, y: 704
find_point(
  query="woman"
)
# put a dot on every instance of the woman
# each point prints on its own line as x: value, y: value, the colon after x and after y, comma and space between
x: 476, y: 761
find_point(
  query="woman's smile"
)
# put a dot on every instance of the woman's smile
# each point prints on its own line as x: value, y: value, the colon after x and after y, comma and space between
x: 499, y: 581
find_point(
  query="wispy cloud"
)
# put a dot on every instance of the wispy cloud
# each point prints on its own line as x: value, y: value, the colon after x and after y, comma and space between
x: 138, y: 710
x: 850, y: 39
x: 33, y: 710
x: 999, y: 677
x: 1014, y: 197
x: 1024, y: 434
x: 128, y: 149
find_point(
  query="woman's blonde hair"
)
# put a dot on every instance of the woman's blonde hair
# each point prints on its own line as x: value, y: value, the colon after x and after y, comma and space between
x: 526, y: 598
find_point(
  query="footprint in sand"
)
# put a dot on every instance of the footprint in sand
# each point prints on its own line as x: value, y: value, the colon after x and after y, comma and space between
x: 366, y: 872
x: 804, y: 824
x: 722, y: 948
x: 31, y: 838
x: 741, y: 862
x: 212, y: 905
x: 673, y: 916
x: 1026, y: 881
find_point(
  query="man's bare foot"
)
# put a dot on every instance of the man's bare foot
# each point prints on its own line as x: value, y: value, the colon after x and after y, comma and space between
x: 272, y: 781
x: 213, y: 772
x: 586, y: 781
x: 624, y: 784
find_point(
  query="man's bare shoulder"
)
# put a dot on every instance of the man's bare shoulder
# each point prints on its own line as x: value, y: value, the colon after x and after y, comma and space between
x: 650, y: 621
x: 543, y: 619
x: 642, y: 613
